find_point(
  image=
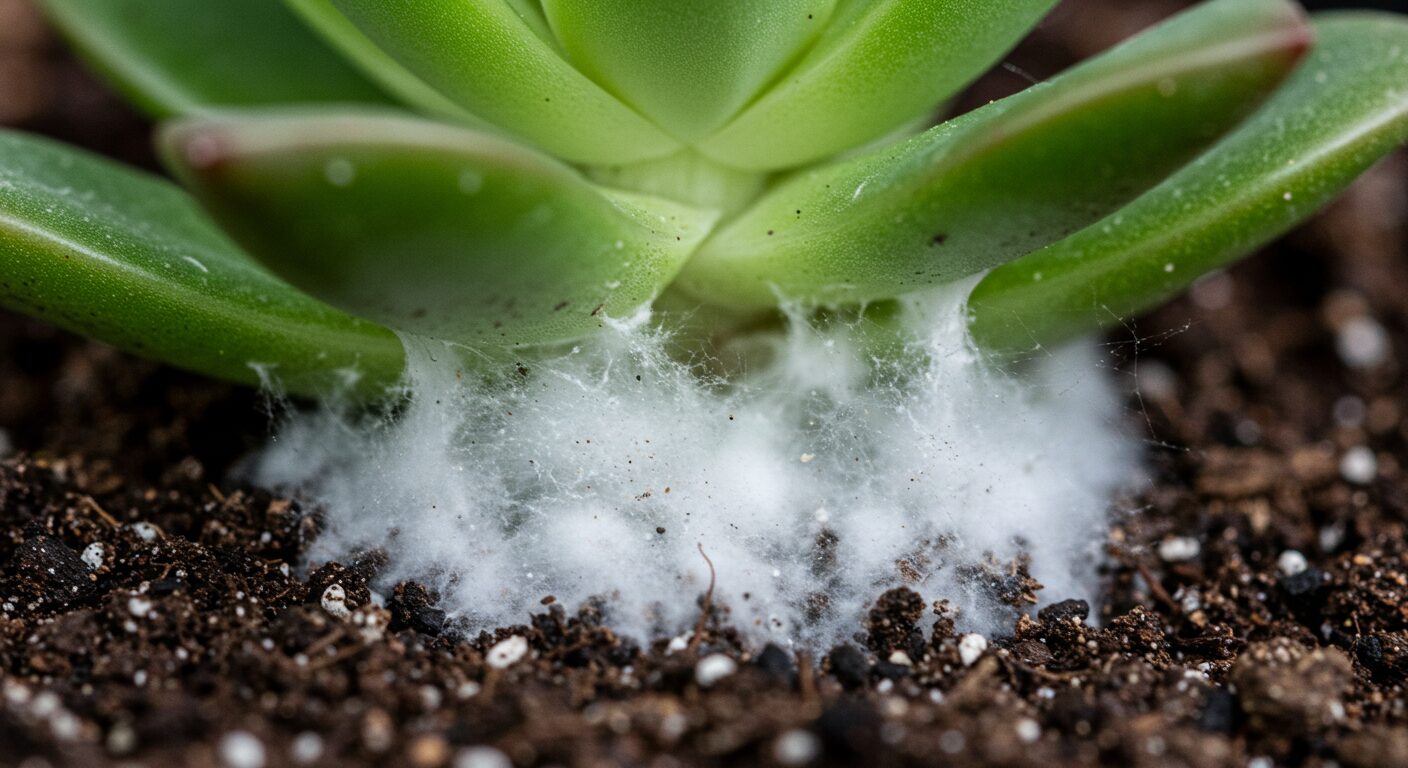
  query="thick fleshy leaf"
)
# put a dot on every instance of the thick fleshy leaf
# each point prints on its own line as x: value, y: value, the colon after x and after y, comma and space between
x: 689, y: 65
x: 131, y: 259
x: 1012, y: 177
x: 179, y: 57
x: 880, y: 64
x: 1345, y: 108
x: 531, y: 12
x: 431, y: 228
x: 344, y: 36
x: 689, y: 178
x: 485, y: 56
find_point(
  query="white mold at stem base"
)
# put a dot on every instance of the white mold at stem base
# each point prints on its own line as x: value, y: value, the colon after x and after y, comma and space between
x: 600, y: 472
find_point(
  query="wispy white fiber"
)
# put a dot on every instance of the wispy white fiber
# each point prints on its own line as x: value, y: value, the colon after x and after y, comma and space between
x: 808, y: 478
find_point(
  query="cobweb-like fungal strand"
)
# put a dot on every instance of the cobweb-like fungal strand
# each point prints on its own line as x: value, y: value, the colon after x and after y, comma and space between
x: 601, y: 472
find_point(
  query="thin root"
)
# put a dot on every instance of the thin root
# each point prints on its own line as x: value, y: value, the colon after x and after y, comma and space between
x: 707, y: 608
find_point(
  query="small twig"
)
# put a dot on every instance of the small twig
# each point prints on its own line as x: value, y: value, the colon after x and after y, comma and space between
x: 1157, y: 589
x: 806, y: 677
x: 708, y: 606
x: 282, y: 592
x: 339, y: 657
x: 220, y: 497
x: 97, y: 509
x: 322, y: 643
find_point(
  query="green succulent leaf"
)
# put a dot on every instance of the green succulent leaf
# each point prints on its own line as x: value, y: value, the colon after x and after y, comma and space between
x: 879, y: 65
x: 689, y: 65
x: 344, y: 36
x: 180, y: 57
x: 1343, y: 109
x: 487, y: 56
x: 128, y: 258
x: 531, y: 12
x: 1009, y: 178
x: 433, y: 229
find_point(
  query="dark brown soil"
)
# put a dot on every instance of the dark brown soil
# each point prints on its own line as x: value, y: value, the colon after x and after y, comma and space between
x: 1256, y: 609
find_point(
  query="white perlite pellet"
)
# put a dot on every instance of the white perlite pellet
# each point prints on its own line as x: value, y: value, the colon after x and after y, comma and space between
x: 482, y: 757
x: 241, y: 749
x: 139, y: 607
x: 712, y: 669
x: 468, y: 690
x: 1179, y: 549
x: 1028, y: 730
x: 93, y: 556
x: 307, y: 748
x: 145, y: 531
x: 335, y: 602
x: 508, y: 652
x: 1331, y: 537
x: 121, y: 739
x: 971, y: 648
x: 679, y: 643
x: 796, y: 747
x: 1362, y: 343
x: 1291, y: 563
x: 1359, y: 465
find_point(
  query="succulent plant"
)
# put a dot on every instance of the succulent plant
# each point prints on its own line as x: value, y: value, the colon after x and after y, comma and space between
x: 506, y: 174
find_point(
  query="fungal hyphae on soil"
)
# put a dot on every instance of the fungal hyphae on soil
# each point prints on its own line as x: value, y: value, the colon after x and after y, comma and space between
x: 817, y: 476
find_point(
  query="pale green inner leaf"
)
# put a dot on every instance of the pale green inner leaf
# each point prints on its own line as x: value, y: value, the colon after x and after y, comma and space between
x: 689, y: 65
x: 879, y: 65
x: 484, y: 56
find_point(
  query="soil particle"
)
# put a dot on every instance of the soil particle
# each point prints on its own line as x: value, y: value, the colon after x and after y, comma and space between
x: 1281, y: 684
x: 894, y: 623
x: 1075, y: 611
x: 413, y: 607
x: 49, y: 575
x: 777, y: 663
x: 1375, y: 747
x: 850, y: 728
x: 1384, y: 656
x: 337, y: 585
x: 848, y: 665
